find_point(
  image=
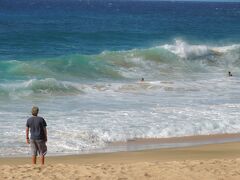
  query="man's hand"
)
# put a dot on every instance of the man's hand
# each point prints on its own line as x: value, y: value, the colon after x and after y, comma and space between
x: 45, y: 133
x: 27, y: 135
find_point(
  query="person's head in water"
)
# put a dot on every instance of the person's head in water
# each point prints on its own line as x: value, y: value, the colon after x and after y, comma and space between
x: 229, y: 73
x: 35, y: 110
x: 142, y: 79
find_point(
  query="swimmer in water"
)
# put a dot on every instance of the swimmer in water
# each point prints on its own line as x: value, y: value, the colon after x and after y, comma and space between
x: 229, y: 73
x: 142, y: 79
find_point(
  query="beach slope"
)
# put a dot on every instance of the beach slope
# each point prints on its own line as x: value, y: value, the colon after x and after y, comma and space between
x: 215, y: 161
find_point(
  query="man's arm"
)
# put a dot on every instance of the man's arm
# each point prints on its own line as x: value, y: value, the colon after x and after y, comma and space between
x: 45, y: 133
x: 27, y: 135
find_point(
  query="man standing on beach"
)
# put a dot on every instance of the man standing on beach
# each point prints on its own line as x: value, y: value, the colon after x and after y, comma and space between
x: 37, y: 126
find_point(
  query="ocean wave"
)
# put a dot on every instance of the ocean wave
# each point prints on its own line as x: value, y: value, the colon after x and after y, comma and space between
x: 169, y: 60
x: 51, y: 86
x: 48, y: 86
x: 185, y: 50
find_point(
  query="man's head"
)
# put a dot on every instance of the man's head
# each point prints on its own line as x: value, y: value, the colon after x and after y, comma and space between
x: 35, y: 110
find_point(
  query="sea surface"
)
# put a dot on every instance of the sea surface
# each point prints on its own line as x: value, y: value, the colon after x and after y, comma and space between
x: 81, y: 62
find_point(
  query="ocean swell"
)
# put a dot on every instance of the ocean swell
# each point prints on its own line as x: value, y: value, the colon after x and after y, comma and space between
x: 34, y: 87
x: 69, y: 74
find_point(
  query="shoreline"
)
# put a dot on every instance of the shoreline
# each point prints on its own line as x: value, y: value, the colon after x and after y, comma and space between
x: 142, y: 145
x: 173, y: 142
x: 213, y: 161
x: 201, y: 152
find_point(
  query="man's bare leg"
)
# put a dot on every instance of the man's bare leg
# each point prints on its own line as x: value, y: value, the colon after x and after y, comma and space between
x: 34, y: 159
x: 42, y: 160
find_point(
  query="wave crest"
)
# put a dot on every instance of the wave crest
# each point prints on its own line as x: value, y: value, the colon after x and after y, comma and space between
x: 48, y: 87
x: 185, y: 50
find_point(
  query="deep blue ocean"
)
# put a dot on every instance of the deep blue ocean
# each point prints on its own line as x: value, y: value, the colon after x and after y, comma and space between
x: 48, y: 28
x: 81, y: 62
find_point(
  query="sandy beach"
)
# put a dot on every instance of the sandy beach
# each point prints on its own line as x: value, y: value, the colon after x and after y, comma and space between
x: 213, y: 161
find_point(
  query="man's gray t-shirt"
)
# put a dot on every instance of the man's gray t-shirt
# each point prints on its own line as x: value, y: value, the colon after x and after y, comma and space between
x: 36, y: 125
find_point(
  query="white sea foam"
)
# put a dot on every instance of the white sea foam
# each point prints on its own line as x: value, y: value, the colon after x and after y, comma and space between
x: 90, y: 121
x: 185, y: 50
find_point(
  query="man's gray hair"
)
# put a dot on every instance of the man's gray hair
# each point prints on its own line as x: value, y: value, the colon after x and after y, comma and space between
x: 35, y: 110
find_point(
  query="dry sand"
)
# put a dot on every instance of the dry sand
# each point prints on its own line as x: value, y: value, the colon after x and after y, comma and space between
x: 206, y: 162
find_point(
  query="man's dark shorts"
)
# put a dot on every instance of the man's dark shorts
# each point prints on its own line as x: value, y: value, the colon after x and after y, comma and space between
x: 38, y: 147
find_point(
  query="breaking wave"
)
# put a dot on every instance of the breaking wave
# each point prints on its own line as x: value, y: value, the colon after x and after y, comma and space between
x: 64, y: 75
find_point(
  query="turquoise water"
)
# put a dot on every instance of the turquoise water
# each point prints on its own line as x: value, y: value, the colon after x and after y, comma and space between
x: 81, y: 62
